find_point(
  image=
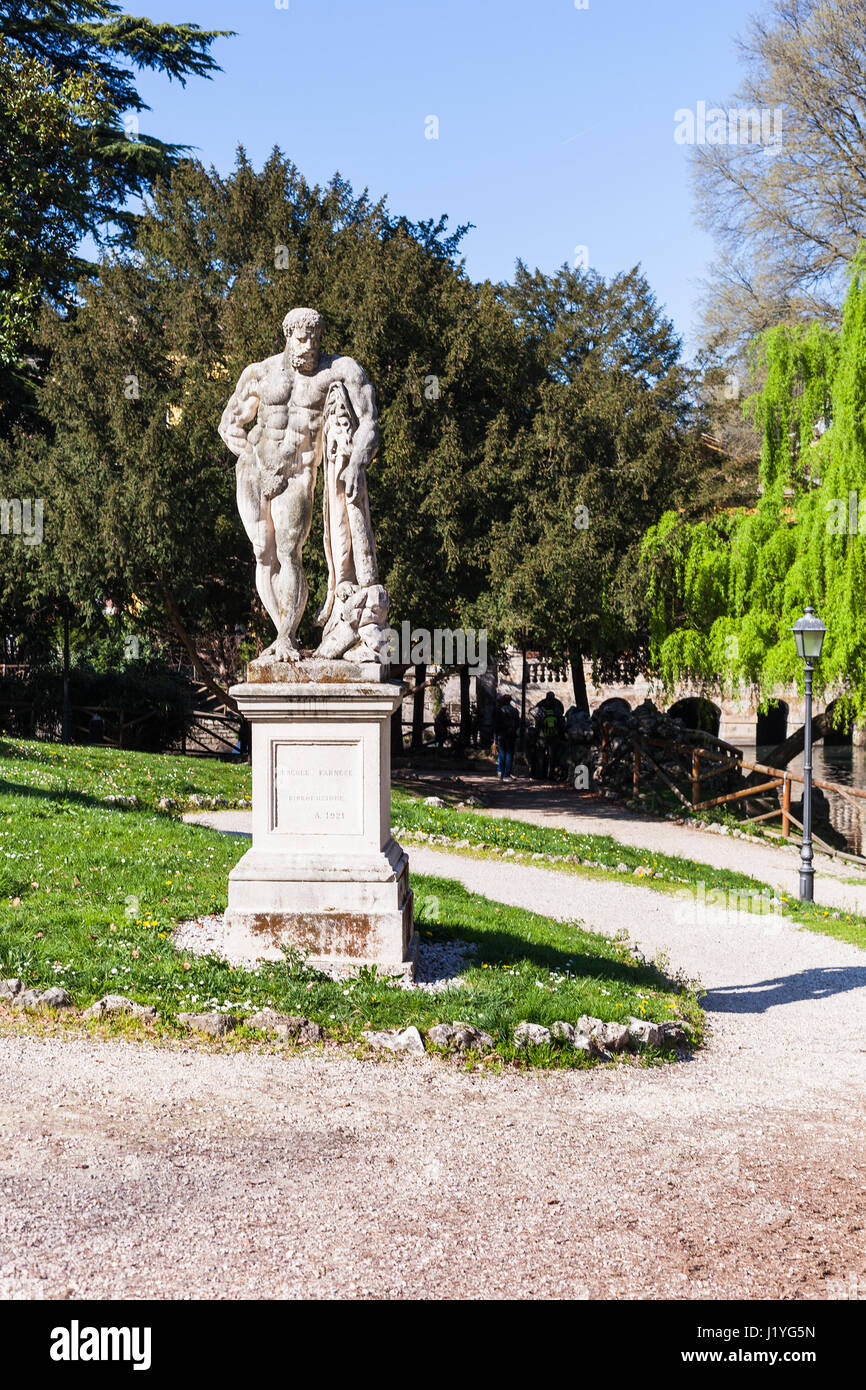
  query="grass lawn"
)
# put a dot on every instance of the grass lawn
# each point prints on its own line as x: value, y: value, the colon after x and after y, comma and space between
x: 98, y: 774
x: 91, y: 886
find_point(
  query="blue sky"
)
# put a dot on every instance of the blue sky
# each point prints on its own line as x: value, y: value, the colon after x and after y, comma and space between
x: 555, y: 126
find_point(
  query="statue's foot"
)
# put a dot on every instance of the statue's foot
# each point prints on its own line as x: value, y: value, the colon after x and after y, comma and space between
x: 283, y: 649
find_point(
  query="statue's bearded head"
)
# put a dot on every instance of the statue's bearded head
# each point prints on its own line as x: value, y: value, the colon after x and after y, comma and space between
x: 303, y: 330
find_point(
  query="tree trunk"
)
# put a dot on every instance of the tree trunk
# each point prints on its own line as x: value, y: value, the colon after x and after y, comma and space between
x: 397, y: 732
x: 465, y: 709
x: 578, y: 680
x: 188, y: 645
x: 523, y: 677
x: 784, y: 753
x: 66, y: 724
x: 418, y: 707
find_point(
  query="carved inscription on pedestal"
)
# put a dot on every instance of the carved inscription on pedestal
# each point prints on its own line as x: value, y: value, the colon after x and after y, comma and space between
x: 318, y: 788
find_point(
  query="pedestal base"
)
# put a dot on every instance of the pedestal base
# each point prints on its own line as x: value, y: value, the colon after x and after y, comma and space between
x: 324, y: 875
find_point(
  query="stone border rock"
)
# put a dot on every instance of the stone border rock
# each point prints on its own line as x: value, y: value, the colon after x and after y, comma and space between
x: 406, y: 1040
x: 34, y: 1001
x: 112, y: 1004
x: 589, y: 1035
x: 291, y: 1026
x: 216, y: 1025
x: 599, y: 1039
x: 460, y: 1037
x: 288, y: 1026
x: 451, y: 1037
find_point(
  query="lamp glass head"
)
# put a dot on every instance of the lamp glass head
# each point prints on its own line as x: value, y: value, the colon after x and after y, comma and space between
x: 809, y: 636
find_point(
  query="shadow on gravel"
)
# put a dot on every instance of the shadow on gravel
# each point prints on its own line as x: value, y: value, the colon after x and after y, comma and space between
x: 821, y: 983
x: 554, y: 800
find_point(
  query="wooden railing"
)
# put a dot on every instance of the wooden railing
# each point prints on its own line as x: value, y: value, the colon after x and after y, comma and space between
x: 695, y: 775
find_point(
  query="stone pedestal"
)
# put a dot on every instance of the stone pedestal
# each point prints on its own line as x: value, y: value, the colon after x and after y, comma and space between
x: 324, y: 873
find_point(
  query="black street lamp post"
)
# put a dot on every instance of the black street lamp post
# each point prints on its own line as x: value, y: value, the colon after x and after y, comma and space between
x: 809, y: 636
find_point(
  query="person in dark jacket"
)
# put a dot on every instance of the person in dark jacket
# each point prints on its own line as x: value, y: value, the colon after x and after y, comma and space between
x: 442, y: 726
x: 549, y: 737
x: 506, y: 724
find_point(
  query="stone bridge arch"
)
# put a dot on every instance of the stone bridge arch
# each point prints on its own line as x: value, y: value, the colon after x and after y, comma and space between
x: 771, y: 724
x: 697, y: 712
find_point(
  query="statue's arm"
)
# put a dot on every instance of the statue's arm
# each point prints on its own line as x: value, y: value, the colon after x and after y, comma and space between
x: 242, y: 408
x: 367, y: 438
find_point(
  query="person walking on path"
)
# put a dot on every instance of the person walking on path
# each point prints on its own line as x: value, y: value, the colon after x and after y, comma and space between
x: 506, y: 725
x: 442, y: 726
x: 549, y: 732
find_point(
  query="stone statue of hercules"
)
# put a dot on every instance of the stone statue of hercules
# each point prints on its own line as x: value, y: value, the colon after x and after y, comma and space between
x: 278, y: 458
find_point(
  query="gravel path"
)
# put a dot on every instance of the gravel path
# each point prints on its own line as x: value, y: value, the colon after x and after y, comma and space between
x: 136, y: 1172
x: 773, y: 991
x: 836, y: 882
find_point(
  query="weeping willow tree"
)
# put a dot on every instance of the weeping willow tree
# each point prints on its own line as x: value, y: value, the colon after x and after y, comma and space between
x: 726, y: 588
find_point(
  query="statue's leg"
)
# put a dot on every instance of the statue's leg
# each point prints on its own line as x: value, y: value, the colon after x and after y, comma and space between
x: 255, y: 513
x: 267, y: 568
x: 292, y: 513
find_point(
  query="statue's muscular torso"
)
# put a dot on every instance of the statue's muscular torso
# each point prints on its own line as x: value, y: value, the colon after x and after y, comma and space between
x: 287, y: 406
x: 288, y: 430
x: 288, y: 425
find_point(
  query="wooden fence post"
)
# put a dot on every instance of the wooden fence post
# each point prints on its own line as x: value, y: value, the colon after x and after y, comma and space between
x: 696, y: 776
x: 786, y: 806
x: 636, y: 775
